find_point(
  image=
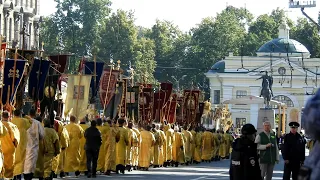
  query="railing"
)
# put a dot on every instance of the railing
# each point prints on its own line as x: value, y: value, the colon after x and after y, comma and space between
x: 302, y: 4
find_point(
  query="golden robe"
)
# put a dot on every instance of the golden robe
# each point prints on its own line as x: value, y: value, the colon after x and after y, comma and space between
x: 136, y: 146
x: 193, y: 144
x: 228, y: 141
x: 9, y: 144
x: 157, y: 147
x: 163, y: 148
x: 52, y: 148
x: 182, y: 153
x: 83, y: 156
x: 3, y: 133
x: 20, y: 156
x: 176, y: 146
x: 72, y: 163
x: 170, y: 141
x: 132, y: 139
x: 207, y: 145
x: 110, y: 146
x: 198, y: 145
x: 102, y: 152
x: 222, y: 148
x: 147, y: 140
x: 216, y: 148
x: 59, y: 160
x: 121, y: 147
x: 187, y: 145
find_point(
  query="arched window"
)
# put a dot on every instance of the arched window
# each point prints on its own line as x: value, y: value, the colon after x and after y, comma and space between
x: 284, y: 99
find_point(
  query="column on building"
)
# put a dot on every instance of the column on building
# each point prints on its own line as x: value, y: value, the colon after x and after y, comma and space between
x: 254, y: 108
x: 18, y: 20
x: 8, y: 16
x: 1, y: 19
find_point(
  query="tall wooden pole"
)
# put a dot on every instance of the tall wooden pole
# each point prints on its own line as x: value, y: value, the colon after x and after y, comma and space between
x: 279, y: 121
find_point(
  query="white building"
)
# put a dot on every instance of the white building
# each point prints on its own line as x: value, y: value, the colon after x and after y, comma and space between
x: 13, y: 15
x: 294, y: 78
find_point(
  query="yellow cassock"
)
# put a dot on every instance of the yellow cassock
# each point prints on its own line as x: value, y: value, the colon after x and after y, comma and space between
x: 228, y: 141
x: 197, y: 149
x: 216, y: 148
x: 132, y: 139
x: 147, y: 140
x: 222, y: 148
x: 52, y: 148
x: 156, y: 150
x: 163, y: 148
x: 102, y: 152
x: 193, y: 144
x: 182, y: 153
x: 121, y: 147
x: 39, y: 171
x: 136, y: 146
x: 20, y: 156
x: 9, y: 144
x: 3, y: 133
x: 207, y: 145
x: 110, y: 147
x: 170, y: 141
x: 187, y: 145
x: 83, y: 156
x: 72, y: 162
x: 176, y: 146
x: 59, y: 160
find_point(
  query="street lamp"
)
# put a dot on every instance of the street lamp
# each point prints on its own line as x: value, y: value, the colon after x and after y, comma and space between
x: 178, y: 81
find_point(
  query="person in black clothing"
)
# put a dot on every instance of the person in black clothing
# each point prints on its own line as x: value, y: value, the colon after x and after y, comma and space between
x: 293, y: 152
x: 92, y: 147
x: 244, y: 157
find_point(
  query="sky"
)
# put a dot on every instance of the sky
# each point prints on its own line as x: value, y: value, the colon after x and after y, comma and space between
x: 188, y: 13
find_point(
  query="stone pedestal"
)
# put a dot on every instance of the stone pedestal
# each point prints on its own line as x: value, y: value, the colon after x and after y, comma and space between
x: 265, y: 115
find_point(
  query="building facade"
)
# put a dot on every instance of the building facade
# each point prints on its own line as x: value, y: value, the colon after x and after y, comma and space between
x: 295, y: 79
x: 19, y: 23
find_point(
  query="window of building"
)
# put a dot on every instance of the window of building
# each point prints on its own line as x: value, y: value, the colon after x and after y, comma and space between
x: 216, y: 96
x: 284, y: 99
x: 240, y: 122
x: 241, y: 93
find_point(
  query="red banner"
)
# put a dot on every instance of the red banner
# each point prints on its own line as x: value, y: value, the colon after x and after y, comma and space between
x: 145, y: 104
x: 171, y: 109
x: 158, y: 102
x: 145, y: 85
x: 191, y: 105
x: 180, y: 109
x: 108, y: 83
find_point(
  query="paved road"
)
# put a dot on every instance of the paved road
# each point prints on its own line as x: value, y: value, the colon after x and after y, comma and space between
x: 204, y: 171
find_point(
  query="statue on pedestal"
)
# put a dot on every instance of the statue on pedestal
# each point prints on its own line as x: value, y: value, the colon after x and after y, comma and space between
x: 266, y: 91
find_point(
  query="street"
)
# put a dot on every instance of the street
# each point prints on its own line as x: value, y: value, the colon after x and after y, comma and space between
x: 215, y: 170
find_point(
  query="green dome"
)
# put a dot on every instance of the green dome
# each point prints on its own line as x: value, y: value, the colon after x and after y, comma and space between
x: 280, y: 45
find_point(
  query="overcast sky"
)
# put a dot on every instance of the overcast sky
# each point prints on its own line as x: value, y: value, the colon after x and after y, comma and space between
x: 188, y: 13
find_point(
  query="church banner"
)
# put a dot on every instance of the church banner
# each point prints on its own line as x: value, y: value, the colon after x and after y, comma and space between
x: 59, y: 64
x: 171, y: 109
x: 179, y: 111
x: 37, y: 79
x: 167, y: 89
x: 77, y: 95
x: 191, y: 101
x: 158, y: 102
x: 145, y: 104
x: 96, y: 69
x: 113, y: 106
x: 108, y: 83
x: 13, y: 74
x: 133, y: 103
x: 123, y: 107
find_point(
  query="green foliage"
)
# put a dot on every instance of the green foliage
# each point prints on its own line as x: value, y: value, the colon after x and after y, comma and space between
x: 164, y: 52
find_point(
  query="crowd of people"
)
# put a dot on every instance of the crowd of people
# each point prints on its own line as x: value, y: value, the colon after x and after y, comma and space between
x: 33, y: 147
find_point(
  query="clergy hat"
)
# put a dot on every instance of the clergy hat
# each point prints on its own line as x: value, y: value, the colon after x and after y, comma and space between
x: 294, y: 124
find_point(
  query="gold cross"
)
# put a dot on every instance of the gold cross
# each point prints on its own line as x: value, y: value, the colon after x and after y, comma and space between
x: 11, y: 73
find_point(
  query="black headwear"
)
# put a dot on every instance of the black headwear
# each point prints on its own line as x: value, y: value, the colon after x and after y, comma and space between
x: 248, y: 129
x: 294, y: 124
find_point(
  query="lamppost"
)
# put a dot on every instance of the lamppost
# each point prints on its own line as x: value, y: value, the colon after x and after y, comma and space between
x: 178, y: 82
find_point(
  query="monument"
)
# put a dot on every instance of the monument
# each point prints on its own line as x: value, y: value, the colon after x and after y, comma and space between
x: 267, y: 113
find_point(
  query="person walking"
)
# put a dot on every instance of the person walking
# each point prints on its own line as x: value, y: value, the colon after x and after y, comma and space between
x: 293, y: 152
x: 244, y: 157
x: 92, y: 147
x: 268, y: 151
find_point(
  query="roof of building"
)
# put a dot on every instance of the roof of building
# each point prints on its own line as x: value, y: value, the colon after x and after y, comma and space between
x: 218, y: 67
x: 283, y: 45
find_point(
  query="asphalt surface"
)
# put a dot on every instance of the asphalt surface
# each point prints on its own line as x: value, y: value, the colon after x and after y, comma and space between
x: 214, y: 170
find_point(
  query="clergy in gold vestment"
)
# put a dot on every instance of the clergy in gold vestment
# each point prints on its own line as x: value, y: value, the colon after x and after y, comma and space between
x: 222, y: 148
x: 83, y: 156
x: 132, y: 138
x: 147, y: 140
x: 170, y: 140
x: 177, y: 146
x: 187, y: 146
x: 198, y: 145
x: 182, y: 153
x: 23, y: 125
x: 39, y: 172
x: 207, y: 145
x: 157, y: 146
x: 3, y: 132
x: 217, y: 145
x: 135, y: 153
x: 59, y: 160
x: 228, y: 140
x: 52, y: 147
x: 112, y: 136
x: 121, y: 147
x: 193, y: 144
x: 9, y: 144
x: 163, y: 148
x: 75, y: 132
x: 102, y: 152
